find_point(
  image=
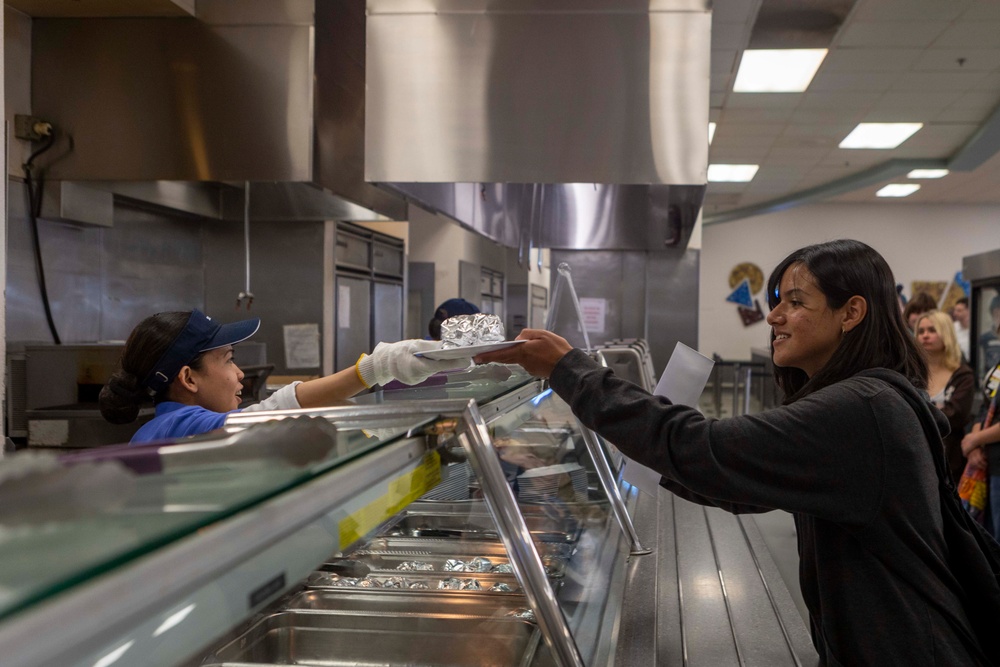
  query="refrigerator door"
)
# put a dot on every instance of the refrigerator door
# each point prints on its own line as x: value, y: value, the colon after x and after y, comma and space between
x: 354, y: 317
x: 388, y: 306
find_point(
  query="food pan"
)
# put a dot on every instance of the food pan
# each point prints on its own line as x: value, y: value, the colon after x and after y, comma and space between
x: 488, y: 583
x: 335, y: 640
x: 419, y: 547
x: 438, y: 604
x: 475, y: 527
x: 395, y: 562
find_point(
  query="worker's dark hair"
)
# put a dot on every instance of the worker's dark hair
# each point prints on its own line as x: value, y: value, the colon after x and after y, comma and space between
x: 963, y: 301
x: 124, y: 394
x: 843, y: 269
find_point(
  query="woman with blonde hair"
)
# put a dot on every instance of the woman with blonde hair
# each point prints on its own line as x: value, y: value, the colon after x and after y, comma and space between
x: 950, y: 382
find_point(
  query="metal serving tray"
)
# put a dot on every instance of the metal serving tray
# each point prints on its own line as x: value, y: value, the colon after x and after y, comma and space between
x: 337, y: 640
x: 409, y: 523
x: 420, y: 547
x: 437, y: 604
x: 390, y: 562
x: 381, y: 581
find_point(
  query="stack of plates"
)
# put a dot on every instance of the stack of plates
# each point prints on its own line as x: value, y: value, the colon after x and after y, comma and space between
x: 562, y: 482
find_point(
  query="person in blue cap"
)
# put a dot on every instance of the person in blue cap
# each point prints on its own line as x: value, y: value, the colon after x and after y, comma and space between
x: 449, y: 308
x: 182, y: 362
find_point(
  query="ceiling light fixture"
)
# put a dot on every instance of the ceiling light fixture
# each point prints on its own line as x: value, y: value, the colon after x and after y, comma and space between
x: 711, y: 133
x: 879, y: 135
x: 927, y: 173
x: 731, y: 173
x: 898, y: 190
x: 777, y: 70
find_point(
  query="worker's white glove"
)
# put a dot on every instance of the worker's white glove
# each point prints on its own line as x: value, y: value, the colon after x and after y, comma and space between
x: 395, y: 361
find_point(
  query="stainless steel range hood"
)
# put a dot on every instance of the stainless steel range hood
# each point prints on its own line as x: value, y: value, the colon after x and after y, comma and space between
x: 181, y: 112
x: 551, y: 123
x: 545, y: 123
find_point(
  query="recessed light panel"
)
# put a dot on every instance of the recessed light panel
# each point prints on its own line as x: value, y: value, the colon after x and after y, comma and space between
x: 731, y: 173
x: 879, y: 135
x: 777, y: 70
x: 711, y: 133
x: 898, y: 190
x: 927, y: 173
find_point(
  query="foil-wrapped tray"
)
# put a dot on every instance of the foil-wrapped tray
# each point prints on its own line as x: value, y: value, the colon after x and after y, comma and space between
x: 418, y: 581
x: 410, y: 523
x: 465, y: 330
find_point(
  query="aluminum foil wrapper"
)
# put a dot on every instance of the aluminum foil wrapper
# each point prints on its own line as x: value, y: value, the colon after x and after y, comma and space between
x: 394, y: 582
x: 415, y: 566
x: 479, y: 564
x: 523, y: 614
x: 418, y: 585
x: 344, y: 582
x: 503, y: 568
x: 451, y: 584
x: 501, y: 588
x: 471, y: 585
x: 465, y: 330
x: 368, y: 583
x: 454, y: 565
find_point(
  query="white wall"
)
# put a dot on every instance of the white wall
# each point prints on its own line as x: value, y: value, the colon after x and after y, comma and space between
x: 435, y: 238
x: 919, y: 243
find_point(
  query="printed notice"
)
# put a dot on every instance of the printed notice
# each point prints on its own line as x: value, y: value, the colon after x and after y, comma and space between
x: 344, y: 307
x: 683, y: 382
x: 594, y: 313
x: 302, y: 345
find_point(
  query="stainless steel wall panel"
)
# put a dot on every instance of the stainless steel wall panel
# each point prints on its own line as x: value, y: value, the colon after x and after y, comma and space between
x: 286, y: 277
x: 175, y: 99
x: 983, y: 266
x: 671, y: 303
x: 555, y: 96
x: 101, y: 282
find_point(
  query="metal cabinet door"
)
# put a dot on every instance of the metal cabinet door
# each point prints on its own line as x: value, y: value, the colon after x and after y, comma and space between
x: 353, y: 309
x: 388, y: 304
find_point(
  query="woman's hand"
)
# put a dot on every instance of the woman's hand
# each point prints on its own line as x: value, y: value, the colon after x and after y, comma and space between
x: 539, y: 355
x: 970, y: 442
x: 977, y: 458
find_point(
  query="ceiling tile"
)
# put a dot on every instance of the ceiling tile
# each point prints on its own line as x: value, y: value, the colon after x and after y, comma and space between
x: 881, y: 34
x: 938, y: 81
x: 904, y: 10
x: 729, y: 35
x: 871, y: 60
x: 723, y: 61
x: 964, y: 33
x: 982, y: 10
x: 972, y: 107
x: 734, y: 11
x: 755, y: 114
x: 848, y: 81
x: 903, y: 107
x: 946, y: 60
x: 793, y: 156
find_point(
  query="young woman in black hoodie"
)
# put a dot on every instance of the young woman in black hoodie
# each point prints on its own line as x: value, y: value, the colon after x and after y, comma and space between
x: 892, y: 569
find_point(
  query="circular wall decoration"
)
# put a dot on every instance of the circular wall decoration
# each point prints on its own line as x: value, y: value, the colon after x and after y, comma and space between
x: 747, y: 271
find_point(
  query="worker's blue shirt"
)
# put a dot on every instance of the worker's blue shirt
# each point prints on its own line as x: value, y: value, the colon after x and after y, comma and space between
x: 176, y: 420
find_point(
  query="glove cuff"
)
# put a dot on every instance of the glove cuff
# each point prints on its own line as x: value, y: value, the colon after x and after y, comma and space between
x: 365, y: 368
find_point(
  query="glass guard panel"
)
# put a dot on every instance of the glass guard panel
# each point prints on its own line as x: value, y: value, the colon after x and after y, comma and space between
x: 444, y: 552
x: 479, y: 383
x: 66, y: 519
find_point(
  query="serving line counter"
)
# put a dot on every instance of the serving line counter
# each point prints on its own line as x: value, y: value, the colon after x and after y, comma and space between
x: 470, y: 523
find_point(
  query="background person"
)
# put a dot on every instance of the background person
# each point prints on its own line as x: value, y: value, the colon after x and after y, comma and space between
x: 962, y: 316
x: 921, y: 303
x: 182, y: 362
x: 950, y: 382
x: 893, y: 570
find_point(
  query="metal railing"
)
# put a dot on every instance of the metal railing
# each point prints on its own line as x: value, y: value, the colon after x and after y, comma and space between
x: 742, y: 382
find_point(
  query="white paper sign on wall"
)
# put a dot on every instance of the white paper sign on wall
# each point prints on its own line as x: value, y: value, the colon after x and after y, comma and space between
x: 594, y: 314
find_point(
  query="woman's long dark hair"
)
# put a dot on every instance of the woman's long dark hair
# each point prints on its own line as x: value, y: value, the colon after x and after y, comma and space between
x: 843, y: 269
x: 123, y: 395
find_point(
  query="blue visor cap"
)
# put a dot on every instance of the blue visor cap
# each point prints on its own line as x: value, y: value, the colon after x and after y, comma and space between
x: 200, y: 334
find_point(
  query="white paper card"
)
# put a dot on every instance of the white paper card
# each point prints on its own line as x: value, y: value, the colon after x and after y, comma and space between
x: 301, y: 345
x: 594, y: 313
x: 683, y: 382
x: 344, y: 307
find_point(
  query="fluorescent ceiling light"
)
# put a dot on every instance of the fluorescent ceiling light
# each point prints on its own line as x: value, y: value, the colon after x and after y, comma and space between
x: 777, y: 70
x: 898, y: 190
x: 927, y: 173
x: 879, y: 135
x: 731, y: 173
x: 711, y: 132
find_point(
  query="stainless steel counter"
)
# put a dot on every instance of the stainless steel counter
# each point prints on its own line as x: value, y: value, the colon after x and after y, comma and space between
x: 710, y: 589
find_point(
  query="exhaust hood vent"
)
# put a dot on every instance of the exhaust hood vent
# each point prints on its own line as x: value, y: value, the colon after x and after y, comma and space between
x: 244, y: 92
x: 511, y: 110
